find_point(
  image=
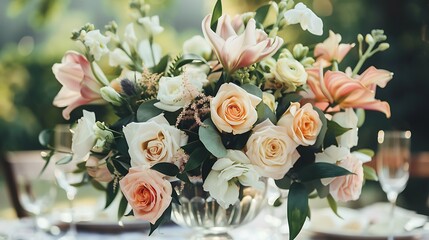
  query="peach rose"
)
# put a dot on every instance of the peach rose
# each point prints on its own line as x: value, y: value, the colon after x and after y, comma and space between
x: 348, y: 187
x: 271, y: 151
x: 147, y: 192
x: 233, y: 109
x: 303, y: 124
x: 97, y: 168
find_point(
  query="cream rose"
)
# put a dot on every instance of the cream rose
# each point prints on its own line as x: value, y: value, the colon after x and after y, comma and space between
x: 83, y: 136
x: 271, y: 151
x: 233, y: 109
x: 153, y: 141
x: 175, y: 92
x: 290, y: 73
x: 222, y: 181
x: 147, y: 192
x: 303, y: 124
x: 348, y: 187
x: 347, y: 119
x: 270, y: 100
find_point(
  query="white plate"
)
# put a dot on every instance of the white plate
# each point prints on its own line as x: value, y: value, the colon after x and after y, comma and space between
x: 367, y: 223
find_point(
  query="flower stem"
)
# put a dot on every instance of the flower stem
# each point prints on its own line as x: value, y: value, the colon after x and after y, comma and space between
x: 368, y: 53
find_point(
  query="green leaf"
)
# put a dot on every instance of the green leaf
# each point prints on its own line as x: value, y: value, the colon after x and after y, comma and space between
x: 97, y: 185
x: 261, y: 13
x: 361, y: 116
x: 164, y: 218
x: 323, y: 130
x: 321, y: 170
x: 47, y: 157
x: 197, y: 157
x: 45, y: 137
x: 283, y: 183
x: 367, y: 152
x: 175, y: 197
x: 111, y: 192
x: 265, y: 112
x: 168, y: 169
x: 369, y: 173
x: 333, y: 205
x: 210, y: 137
x: 190, y: 147
x: 162, y: 65
x: 284, y: 103
x: 278, y: 202
x: 64, y: 160
x: 188, y: 58
x: 297, y: 208
x: 217, y: 13
x: 336, y: 128
x: 252, y: 89
x: 122, y: 207
x: 183, y: 177
x: 147, y: 111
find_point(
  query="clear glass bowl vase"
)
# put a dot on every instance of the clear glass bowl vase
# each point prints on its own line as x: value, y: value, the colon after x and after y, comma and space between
x: 198, y: 210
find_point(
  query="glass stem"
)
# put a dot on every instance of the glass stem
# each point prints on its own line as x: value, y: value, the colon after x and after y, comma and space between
x: 72, y: 232
x: 392, y: 196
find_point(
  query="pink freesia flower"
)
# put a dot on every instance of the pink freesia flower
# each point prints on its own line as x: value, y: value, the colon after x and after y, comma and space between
x: 79, y: 84
x: 237, y: 51
x: 337, y: 87
x: 331, y: 50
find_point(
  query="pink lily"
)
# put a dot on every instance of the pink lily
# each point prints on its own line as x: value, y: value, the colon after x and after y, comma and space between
x: 331, y: 50
x: 237, y: 51
x: 79, y: 84
x: 337, y: 87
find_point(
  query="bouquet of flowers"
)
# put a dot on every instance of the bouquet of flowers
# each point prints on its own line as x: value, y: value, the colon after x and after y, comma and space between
x: 238, y: 105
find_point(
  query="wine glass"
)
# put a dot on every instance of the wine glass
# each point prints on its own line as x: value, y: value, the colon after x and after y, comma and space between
x: 36, y: 193
x: 393, y: 159
x: 67, y: 178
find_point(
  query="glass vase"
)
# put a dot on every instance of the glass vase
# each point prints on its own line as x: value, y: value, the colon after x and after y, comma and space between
x: 199, y: 211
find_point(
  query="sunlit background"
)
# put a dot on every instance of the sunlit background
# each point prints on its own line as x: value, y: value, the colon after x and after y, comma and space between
x: 35, y: 34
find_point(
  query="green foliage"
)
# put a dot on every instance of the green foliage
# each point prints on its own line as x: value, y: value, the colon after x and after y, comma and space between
x: 336, y: 129
x: 64, y: 160
x: 284, y: 183
x: 265, y: 112
x: 165, y: 217
x: 333, y: 204
x: 261, y: 14
x: 321, y: 136
x: 168, y: 169
x: 285, y: 102
x: 122, y: 207
x: 162, y: 65
x: 252, y: 89
x: 320, y: 170
x: 98, y: 185
x: 46, y: 137
x: 112, y: 191
x: 147, y: 111
x: 217, y: 13
x: 210, y: 137
x: 369, y: 173
x: 197, y: 157
x: 367, y: 152
x: 297, y: 208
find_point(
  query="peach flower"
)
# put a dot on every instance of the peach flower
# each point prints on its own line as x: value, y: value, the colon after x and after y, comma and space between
x: 237, y: 51
x: 97, y: 169
x: 331, y: 50
x: 348, y: 187
x: 147, y: 192
x: 271, y: 151
x: 302, y: 124
x: 337, y: 87
x: 233, y: 109
x: 79, y: 84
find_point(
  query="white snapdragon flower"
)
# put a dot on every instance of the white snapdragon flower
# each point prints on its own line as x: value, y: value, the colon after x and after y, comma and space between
x: 197, y: 45
x: 130, y: 35
x: 306, y: 18
x: 222, y: 181
x: 151, y: 25
x: 150, y: 57
x: 97, y: 43
x: 83, y: 136
x: 347, y: 119
x: 175, y: 92
x: 118, y: 57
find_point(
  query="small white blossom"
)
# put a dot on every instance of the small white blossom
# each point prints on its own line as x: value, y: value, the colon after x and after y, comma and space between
x: 197, y: 45
x: 151, y: 55
x: 151, y: 25
x: 97, y: 43
x: 118, y: 57
x: 130, y: 35
x: 306, y: 18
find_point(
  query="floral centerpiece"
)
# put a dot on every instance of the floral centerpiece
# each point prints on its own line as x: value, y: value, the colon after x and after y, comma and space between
x: 238, y: 105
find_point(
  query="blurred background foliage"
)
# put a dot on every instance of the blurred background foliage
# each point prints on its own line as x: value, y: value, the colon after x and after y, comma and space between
x: 35, y: 35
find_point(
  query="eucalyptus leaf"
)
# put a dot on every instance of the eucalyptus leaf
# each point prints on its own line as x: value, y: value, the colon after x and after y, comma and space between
x: 252, y: 89
x: 297, y: 208
x: 210, y: 137
x: 45, y: 137
x: 265, y: 112
x: 320, y: 170
x: 147, y: 111
x: 168, y: 169
x: 369, y: 173
x: 64, y: 160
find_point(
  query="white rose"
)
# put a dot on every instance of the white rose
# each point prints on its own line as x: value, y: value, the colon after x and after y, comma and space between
x: 175, y: 92
x: 305, y: 17
x: 83, y: 136
x: 290, y: 73
x: 197, y: 45
x: 222, y: 183
x: 332, y: 155
x: 97, y: 43
x: 347, y: 119
x: 153, y: 141
x: 271, y: 150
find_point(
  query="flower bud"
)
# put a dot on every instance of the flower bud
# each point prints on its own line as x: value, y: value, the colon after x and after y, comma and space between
x: 360, y: 37
x: 369, y: 39
x: 383, y: 46
x: 300, y: 51
x: 110, y: 95
x: 274, y: 6
x: 285, y: 53
x: 104, y: 138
